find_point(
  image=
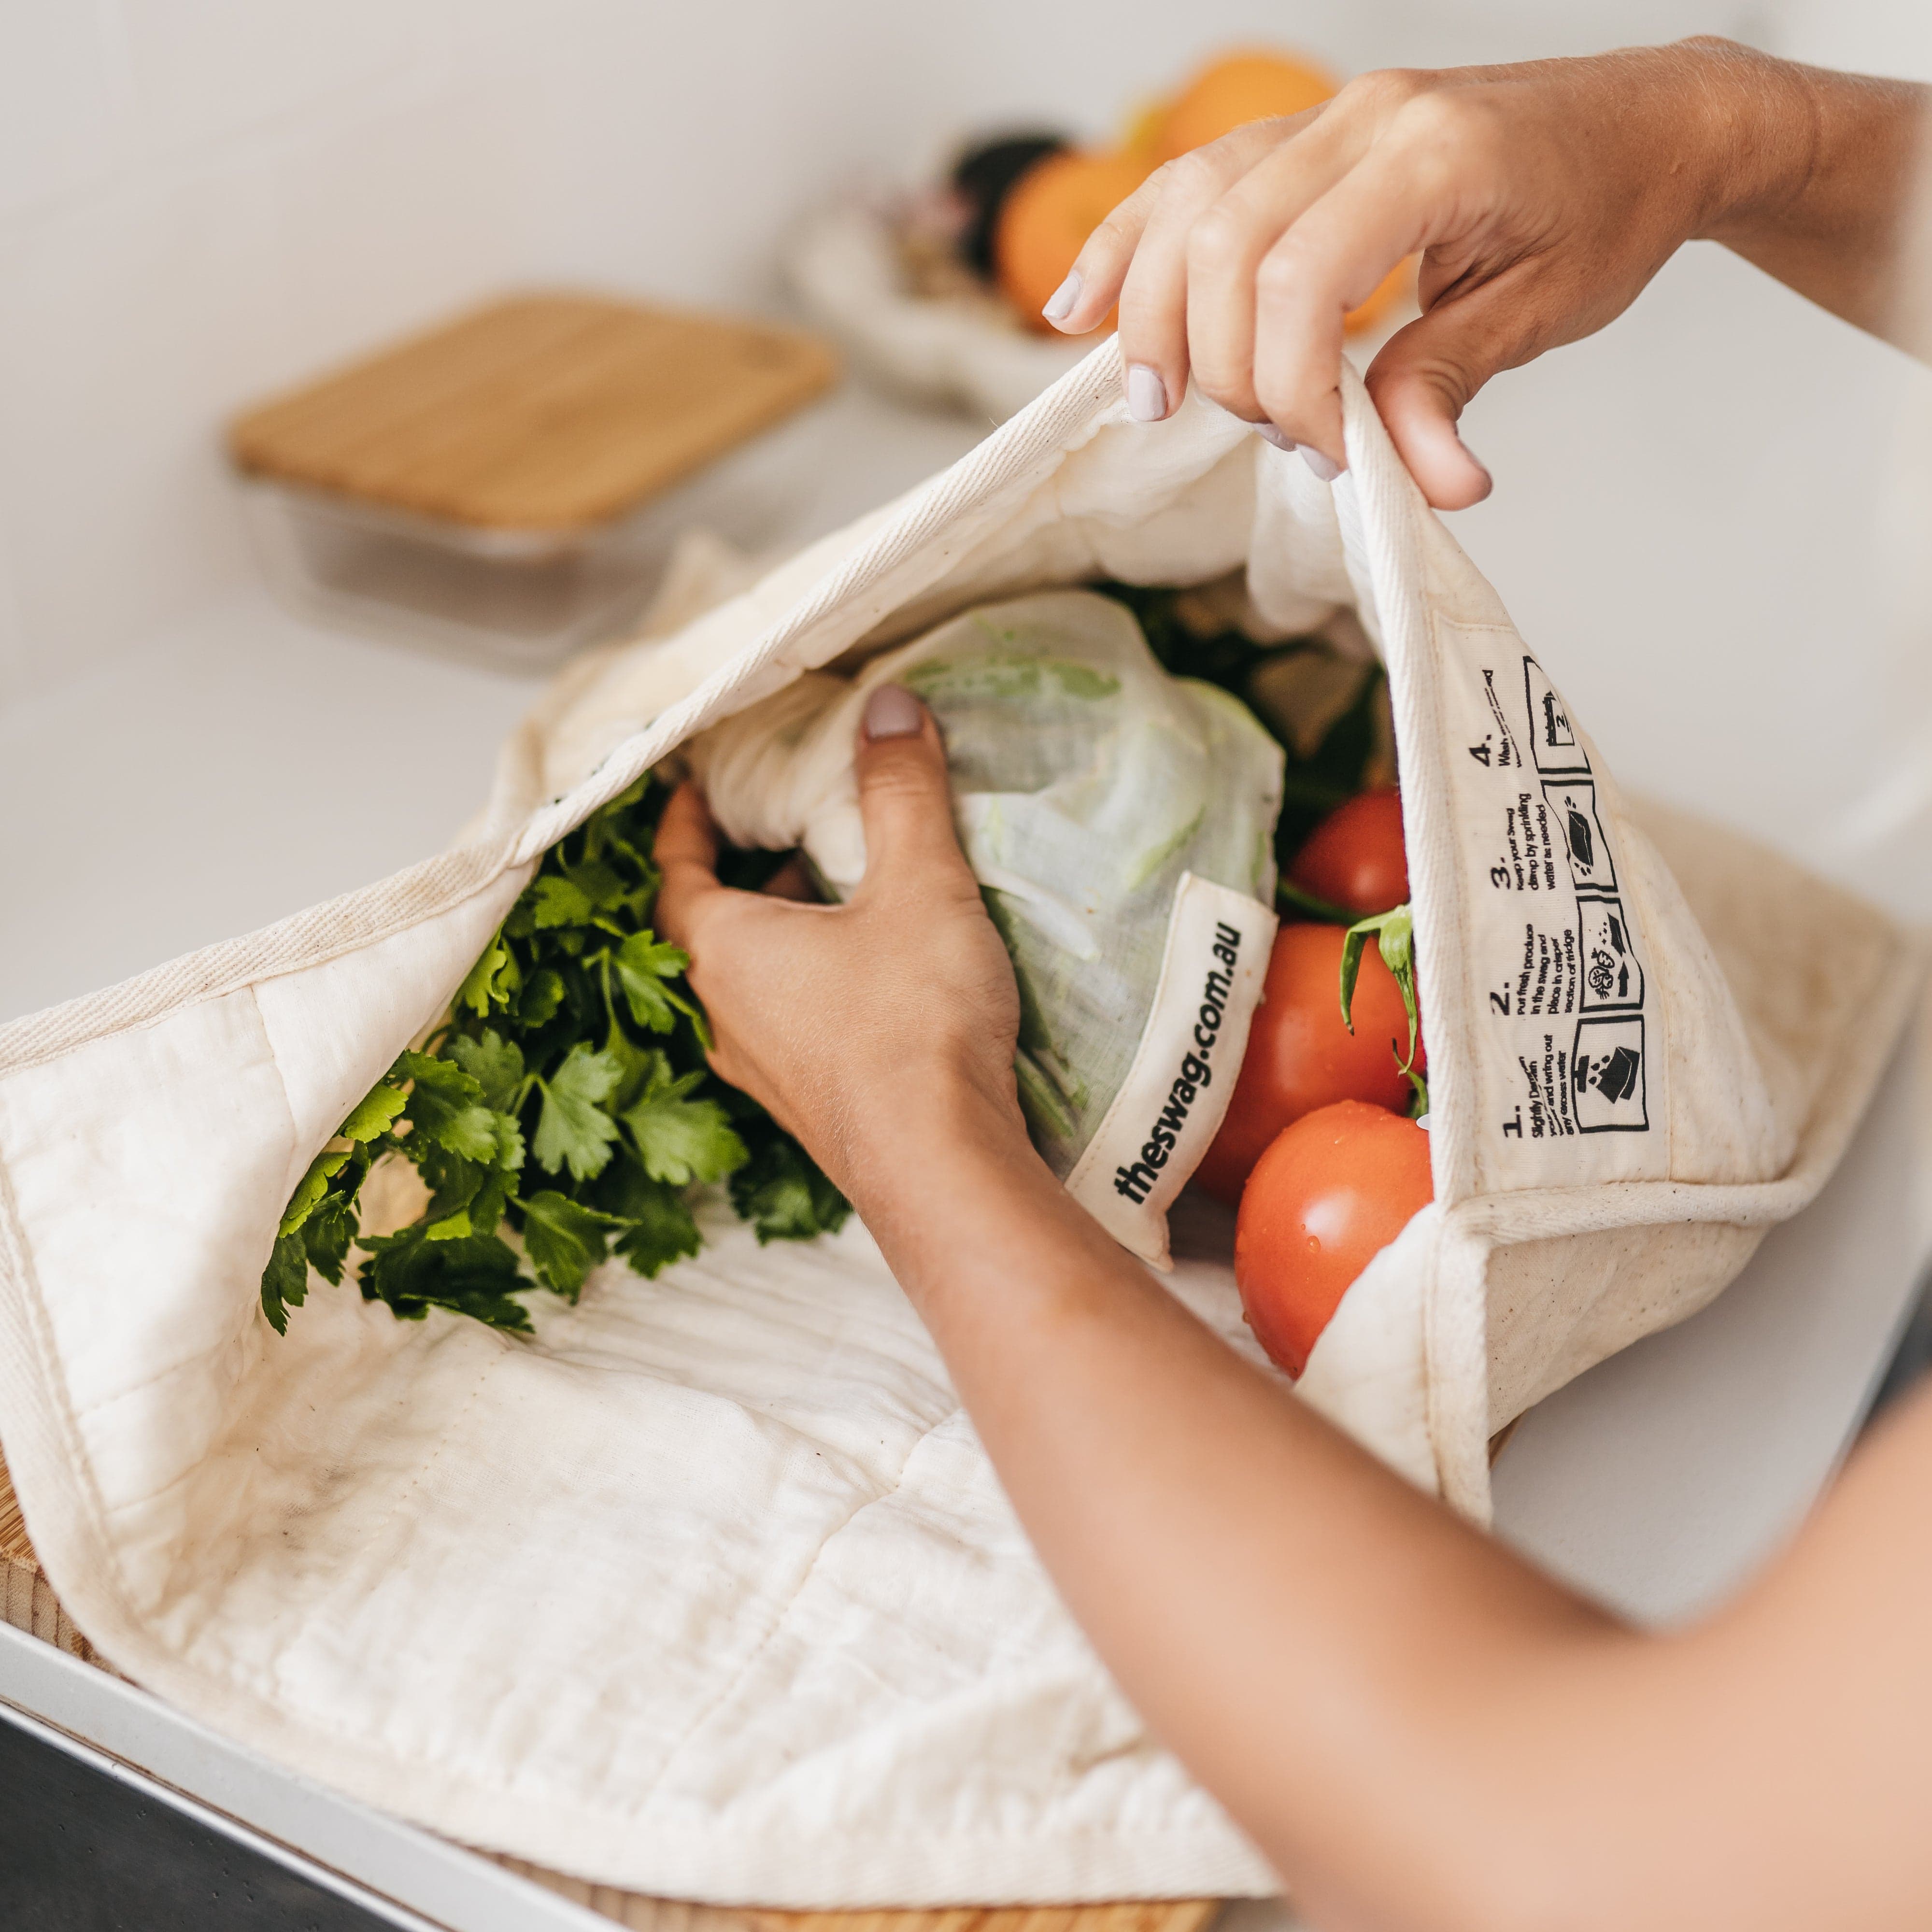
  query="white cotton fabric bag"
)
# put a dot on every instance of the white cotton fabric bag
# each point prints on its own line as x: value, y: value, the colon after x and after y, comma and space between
x: 708, y: 1590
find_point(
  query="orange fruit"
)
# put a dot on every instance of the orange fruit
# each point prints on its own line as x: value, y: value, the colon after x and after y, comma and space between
x: 1048, y: 215
x: 1141, y: 140
x: 1254, y: 84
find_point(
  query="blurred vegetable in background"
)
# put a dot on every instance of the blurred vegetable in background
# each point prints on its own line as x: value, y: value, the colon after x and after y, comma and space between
x: 1027, y: 202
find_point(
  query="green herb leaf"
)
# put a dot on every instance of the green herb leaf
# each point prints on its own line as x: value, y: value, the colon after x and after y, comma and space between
x: 284, y: 1281
x: 477, y: 1276
x: 541, y: 997
x: 310, y: 1189
x: 330, y: 1231
x: 782, y: 1191
x: 658, y: 1225
x: 602, y: 885
x: 574, y: 1130
x: 666, y: 1234
x: 681, y: 1140
x: 446, y: 1107
x: 557, y: 901
x: 644, y: 963
x: 496, y: 1065
x: 564, y: 1240
x: 492, y: 981
x: 375, y: 1114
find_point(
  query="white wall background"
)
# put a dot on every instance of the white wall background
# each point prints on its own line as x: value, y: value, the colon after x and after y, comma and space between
x: 202, y: 199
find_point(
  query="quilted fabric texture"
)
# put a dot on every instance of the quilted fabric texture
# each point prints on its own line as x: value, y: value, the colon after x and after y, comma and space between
x: 707, y: 1590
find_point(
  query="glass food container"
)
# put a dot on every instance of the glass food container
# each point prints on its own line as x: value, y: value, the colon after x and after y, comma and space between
x: 508, y: 488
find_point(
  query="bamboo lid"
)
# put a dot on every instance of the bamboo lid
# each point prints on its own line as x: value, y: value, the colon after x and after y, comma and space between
x: 545, y: 412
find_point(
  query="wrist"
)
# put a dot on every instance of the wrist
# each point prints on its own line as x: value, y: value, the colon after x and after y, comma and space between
x: 937, y: 1117
x: 1779, y: 135
x: 965, y: 1210
x: 1752, y: 122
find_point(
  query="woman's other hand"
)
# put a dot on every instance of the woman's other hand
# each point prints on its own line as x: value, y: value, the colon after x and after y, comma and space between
x: 1541, y: 198
x: 857, y: 1025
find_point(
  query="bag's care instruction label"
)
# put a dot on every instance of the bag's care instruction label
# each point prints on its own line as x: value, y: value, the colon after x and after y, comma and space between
x: 1569, y: 1093
x: 1170, y: 1106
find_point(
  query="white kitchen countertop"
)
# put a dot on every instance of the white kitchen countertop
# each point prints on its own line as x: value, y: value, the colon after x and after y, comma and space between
x: 246, y: 762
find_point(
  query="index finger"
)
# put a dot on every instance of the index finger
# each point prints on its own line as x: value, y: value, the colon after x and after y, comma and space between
x: 1099, y: 272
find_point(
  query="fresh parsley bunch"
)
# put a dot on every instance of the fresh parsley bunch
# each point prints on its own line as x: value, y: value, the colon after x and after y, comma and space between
x: 566, y: 1100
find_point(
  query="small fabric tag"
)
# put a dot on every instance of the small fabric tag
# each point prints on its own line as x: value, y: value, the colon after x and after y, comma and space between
x: 1170, y: 1106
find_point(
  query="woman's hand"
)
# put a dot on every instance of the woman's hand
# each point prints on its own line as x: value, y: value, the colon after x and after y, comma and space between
x: 1541, y: 198
x: 856, y: 1025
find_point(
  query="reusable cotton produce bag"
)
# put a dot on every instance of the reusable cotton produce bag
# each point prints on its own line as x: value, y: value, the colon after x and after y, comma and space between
x: 708, y: 1590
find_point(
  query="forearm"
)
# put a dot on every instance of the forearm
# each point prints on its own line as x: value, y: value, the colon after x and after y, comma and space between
x: 1813, y: 175
x: 1331, y: 1652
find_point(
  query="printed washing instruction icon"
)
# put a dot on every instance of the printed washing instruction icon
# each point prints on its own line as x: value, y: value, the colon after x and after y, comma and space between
x: 1552, y: 737
x: 1574, y: 808
x: 1607, y: 1074
x: 1613, y: 976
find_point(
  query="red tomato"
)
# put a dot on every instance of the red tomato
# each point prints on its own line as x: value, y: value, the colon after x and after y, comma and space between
x: 1300, y: 1056
x: 1325, y: 1199
x: 1354, y: 858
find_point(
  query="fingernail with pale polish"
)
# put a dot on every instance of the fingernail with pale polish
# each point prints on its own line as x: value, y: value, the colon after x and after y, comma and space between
x: 1325, y: 470
x: 1268, y: 433
x: 1146, y: 394
x: 893, y: 712
x: 1060, y: 303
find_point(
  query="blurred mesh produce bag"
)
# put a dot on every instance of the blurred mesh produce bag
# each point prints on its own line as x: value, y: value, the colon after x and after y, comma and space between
x: 706, y: 1589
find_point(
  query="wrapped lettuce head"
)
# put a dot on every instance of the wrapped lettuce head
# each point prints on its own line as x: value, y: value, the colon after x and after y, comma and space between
x: 1087, y: 781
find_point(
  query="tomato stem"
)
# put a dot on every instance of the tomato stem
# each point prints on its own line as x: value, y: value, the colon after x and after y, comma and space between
x: 1394, y: 934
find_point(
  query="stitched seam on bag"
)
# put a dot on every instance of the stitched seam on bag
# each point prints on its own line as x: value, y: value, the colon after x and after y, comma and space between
x: 1454, y: 1271
x: 321, y: 1608
x: 783, y: 1614
x: 489, y: 1367
x: 284, y: 1708
x: 188, y: 1361
x: 16, y: 1260
x: 120, y: 1395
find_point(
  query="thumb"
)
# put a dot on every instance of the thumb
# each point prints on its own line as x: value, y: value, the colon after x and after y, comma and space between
x: 904, y: 798
x: 1423, y: 378
x: 686, y: 851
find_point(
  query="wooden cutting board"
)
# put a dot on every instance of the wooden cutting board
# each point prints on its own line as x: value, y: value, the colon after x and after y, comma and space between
x: 28, y: 1603
x: 542, y: 412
